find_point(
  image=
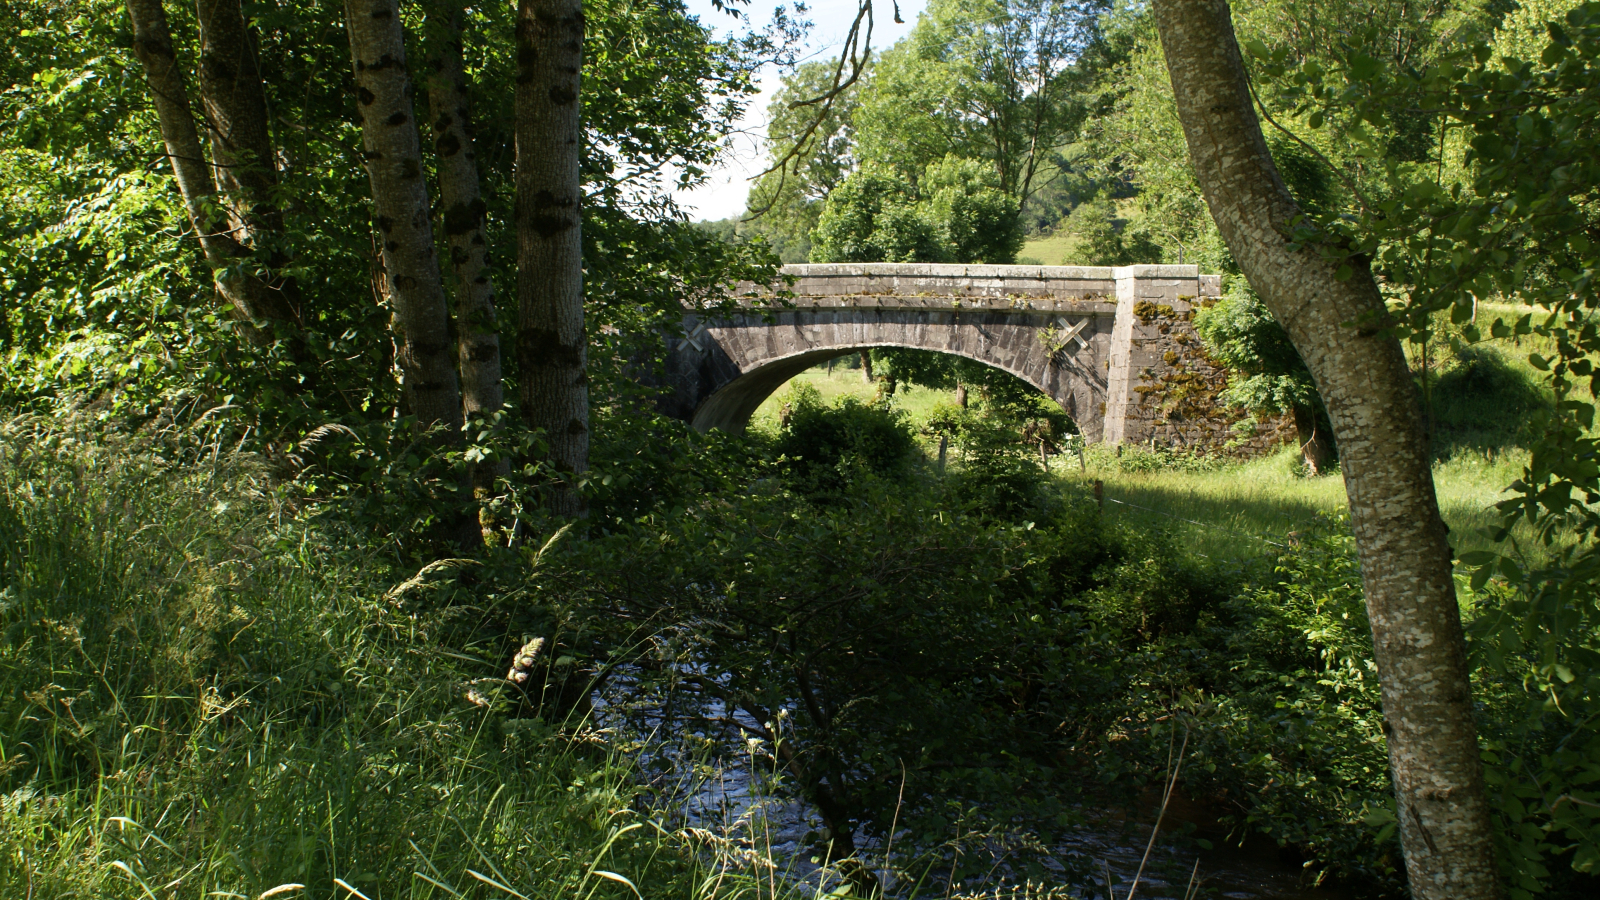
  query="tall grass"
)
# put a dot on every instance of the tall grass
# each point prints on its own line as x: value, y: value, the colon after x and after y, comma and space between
x: 1479, y: 406
x: 200, y: 697
x: 1245, y: 509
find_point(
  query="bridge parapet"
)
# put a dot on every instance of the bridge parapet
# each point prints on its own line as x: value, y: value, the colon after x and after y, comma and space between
x: 1042, y: 289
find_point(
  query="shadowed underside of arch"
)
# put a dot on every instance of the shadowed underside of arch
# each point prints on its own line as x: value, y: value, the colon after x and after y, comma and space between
x: 1088, y: 338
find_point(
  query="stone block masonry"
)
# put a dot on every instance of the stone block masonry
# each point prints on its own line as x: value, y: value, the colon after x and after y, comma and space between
x: 1114, y: 346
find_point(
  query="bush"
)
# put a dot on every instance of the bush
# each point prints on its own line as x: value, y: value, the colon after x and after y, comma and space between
x: 830, y: 448
x: 895, y: 660
x: 1481, y: 401
x: 1288, y: 718
x: 1135, y: 458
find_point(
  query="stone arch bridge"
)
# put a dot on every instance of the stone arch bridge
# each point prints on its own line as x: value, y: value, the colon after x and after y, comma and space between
x: 1095, y: 340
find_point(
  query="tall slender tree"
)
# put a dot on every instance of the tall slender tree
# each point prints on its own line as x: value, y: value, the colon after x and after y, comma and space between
x: 460, y: 194
x: 393, y: 150
x: 551, y: 346
x: 1337, y: 322
x: 227, y: 256
x: 240, y: 134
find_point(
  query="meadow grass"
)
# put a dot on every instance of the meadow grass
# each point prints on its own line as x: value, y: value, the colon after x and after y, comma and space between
x: 202, y: 697
x: 1051, y: 249
x: 1223, y: 510
x: 1251, y: 508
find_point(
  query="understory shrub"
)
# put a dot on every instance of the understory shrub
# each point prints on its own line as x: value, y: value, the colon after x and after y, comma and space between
x: 827, y: 447
x: 901, y: 657
x: 1480, y: 400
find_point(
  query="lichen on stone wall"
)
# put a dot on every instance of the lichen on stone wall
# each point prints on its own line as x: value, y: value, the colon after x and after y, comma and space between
x: 1180, y: 404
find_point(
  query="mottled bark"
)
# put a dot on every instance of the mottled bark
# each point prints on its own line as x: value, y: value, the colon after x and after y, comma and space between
x: 249, y: 297
x: 551, y: 346
x: 477, y: 337
x: 1363, y: 379
x: 393, y: 151
x: 1316, y: 444
x: 237, y: 126
x: 961, y: 395
x: 866, y: 366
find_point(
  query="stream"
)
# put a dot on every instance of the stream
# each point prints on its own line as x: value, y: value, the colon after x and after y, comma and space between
x: 725, y: 800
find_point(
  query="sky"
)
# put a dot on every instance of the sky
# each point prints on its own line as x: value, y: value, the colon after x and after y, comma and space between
x: 724, y: 192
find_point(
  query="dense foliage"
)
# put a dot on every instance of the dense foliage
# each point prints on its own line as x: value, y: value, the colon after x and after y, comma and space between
x: 956, y: 212
x: 233, y: 658
x: 109, y: 298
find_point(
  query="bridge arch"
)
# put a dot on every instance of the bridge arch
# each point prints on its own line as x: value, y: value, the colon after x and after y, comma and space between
x: 766, y: 359
x: 1084, y: 336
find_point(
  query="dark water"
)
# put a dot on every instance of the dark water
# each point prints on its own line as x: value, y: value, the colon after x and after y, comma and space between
x: 730, y: 802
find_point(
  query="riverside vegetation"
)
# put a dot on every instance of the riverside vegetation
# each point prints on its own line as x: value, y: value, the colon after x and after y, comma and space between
x: 214, y: 682
x: 252, y: 645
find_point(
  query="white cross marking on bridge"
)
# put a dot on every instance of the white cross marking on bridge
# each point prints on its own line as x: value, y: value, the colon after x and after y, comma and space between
x: 693, y: 340
x: 1074, y: 332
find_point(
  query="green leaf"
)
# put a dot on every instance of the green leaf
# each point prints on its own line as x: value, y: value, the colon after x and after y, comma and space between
x: 1363, y: 67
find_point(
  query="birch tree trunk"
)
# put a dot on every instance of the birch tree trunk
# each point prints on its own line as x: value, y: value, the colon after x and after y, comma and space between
x: 225, y: 254
x: 1362, y: 375
x: 551, y: 347
x: 242, y: 154
x: 393, y: 151
x: 477, y: 337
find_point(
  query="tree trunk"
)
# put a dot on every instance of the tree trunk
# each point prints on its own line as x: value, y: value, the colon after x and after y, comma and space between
x: 152, y: 44
x: 866, y: 366
x: 1361, y: 373
x: 961, y: 394
x: 393, y: 151
x: 1316, y: 445
x: 235, y: 105
x: 477, y: 337
x: 551, y: 347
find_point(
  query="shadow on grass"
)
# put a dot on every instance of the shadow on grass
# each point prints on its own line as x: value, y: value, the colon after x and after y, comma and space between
x: 1481, y: 404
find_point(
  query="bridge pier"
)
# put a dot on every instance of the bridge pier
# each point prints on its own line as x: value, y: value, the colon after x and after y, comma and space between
x: 1114, y: 346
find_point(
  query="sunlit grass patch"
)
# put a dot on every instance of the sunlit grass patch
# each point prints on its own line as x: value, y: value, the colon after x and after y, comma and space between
x: 918, y: 402
x: 1244, y: 509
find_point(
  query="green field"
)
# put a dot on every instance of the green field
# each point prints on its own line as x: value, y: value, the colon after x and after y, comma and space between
x: 917, y: 402
x: 1236, y: 510
x: 1051, y: 250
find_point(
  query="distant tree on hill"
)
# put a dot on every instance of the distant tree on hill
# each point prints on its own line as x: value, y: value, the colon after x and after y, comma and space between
x: 955, y: 212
